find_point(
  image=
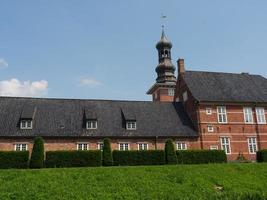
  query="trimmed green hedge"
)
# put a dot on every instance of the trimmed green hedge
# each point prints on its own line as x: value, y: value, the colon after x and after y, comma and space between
x: 201, y: 156
x: 14, y: 159
x: 149, y: 157
x: 170, y: 155
x: 37, y: 157
x: 73, y: 158
x: 262, y: 156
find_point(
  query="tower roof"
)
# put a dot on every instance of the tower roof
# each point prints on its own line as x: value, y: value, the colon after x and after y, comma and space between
x: 164, y: 42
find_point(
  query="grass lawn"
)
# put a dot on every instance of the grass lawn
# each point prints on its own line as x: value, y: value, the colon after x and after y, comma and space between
x: 216, y: 181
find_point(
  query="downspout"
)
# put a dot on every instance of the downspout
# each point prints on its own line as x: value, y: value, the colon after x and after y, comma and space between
x: 198, y: 126
x: 156, y: 138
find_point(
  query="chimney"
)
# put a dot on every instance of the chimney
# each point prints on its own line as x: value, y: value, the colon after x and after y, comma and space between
x: 180, y: 63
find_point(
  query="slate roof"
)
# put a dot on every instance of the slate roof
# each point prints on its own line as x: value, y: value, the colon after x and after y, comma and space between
x: 226, y: 87
x: 66, y: 117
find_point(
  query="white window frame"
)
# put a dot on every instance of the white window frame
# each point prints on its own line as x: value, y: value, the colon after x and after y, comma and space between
x: 99, y: 144
x: 260, y: 113
x: 252, y: 145
x: 124, y: 146
x: 27, y: 123
x: 248, y: 115
x: 210, y: 128
x: 84, y: 146
x: 214, y: 147
x: 185, y: 96
x: 226, y: 144
x: 181, y: 145
x: 171, y: 92
x: 208, y: 111
x: 221, y: 111
x: 142, y: 146
x: 91, y: 124
x: 20, y: 147
x: 131, y: 125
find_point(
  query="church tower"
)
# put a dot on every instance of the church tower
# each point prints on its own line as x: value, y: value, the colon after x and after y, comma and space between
x: 163, y: 89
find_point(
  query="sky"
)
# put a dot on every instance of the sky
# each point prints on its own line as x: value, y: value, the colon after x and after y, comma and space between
x: 104, y: 49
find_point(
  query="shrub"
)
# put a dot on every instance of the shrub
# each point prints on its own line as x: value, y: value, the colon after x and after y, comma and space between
x: 37, y: 157
x: 149, y: 157
x: 14, y: 159
x: 262, y: 156
x: 73, y: 158
x: 107, y: 158
x: 201, y: 156
x: 170, y: 155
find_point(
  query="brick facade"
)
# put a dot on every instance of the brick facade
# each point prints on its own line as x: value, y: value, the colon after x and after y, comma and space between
x: 235, y: 128
x: 61, y: 144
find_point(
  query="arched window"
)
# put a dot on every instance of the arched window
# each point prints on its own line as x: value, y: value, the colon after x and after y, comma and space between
x: 166, y: 53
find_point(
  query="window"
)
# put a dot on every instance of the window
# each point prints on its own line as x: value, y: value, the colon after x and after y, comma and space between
x: 142, y: 146
x: 26, y: 124
x: 100, y: 146
x: 171, y: 91
x: 213, y: 147
x: 82, y: 146
x: 185, y: 96
x: 222, y: 115
x: 225, y: 145
x: 260, y: 113
x: 91, y: 124
x: 131, y: 125
x: 208, y: 111
x: 210, y: 128
x: 252, y: 145
x: 124, y: 146
x: 21, y: 147
x: 181, y: 146
x: 248, y: 115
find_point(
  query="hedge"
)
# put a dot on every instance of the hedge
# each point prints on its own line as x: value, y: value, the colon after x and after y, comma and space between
x: 170, y: 155
x: 149, y: 157
x: 201, y: 156
x: 73, y: 158
x: 14, y: 159
x: 107, y: 158
x: 37, y: 157
x: 262, y: 156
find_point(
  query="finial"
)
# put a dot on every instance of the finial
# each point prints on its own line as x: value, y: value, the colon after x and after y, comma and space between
x: 162, y: 24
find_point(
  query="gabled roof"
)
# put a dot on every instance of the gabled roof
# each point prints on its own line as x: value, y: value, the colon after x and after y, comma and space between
x: 65, y: 118
x: 226, y: 87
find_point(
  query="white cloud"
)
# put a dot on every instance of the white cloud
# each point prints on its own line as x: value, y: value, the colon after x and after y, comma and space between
x: 15, y: 87
x: 90, y: 82
x: 3, y: 63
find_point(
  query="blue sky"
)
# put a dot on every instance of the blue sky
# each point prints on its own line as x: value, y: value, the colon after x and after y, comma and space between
x: 106, y: 49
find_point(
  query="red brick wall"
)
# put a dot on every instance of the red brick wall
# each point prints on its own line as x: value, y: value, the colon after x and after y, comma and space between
x: 71, y: 144
x: 161, y: 94
x: 235, y: 128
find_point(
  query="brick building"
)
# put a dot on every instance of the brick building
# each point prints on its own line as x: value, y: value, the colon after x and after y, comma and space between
x: 198, y: 110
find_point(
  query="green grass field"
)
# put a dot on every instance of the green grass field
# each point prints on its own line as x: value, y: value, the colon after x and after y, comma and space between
x: 221, y: 181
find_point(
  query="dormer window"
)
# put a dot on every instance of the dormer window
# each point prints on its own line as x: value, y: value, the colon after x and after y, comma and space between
x: 131, y: 125
x: 91, y: 124
x: 26, y: 124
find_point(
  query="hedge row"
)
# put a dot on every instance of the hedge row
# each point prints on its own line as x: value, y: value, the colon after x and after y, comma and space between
x: 149, y: 157
x: 262, y: 156
x: 73, y: 159
x: 14, y: 159
x: 201, y: 156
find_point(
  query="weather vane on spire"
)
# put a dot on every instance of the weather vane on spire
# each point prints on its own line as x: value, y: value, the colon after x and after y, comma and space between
x: 163, y: 17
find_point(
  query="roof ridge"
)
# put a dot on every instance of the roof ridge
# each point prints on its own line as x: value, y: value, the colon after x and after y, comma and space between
x: 220, y: 72
x: 72, y: 99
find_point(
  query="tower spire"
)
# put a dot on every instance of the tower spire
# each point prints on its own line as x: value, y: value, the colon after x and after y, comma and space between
x: 166, y: 79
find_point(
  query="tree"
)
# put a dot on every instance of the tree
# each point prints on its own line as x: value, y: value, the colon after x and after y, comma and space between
x: 37, y: 156
x: 107, y: 153
x: 170, y: 154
